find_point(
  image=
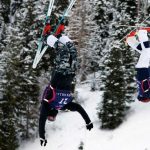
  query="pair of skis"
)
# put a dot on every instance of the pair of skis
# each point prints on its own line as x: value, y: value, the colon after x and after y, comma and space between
x: 135, y: 28
x: 134, y: 31
x: 42, y: 47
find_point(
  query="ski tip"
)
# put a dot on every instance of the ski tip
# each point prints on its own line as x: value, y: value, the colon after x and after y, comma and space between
x: 34, y: 66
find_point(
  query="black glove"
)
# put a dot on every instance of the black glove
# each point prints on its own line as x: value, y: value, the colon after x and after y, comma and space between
x: 89, y: 126
x: 43, y: 142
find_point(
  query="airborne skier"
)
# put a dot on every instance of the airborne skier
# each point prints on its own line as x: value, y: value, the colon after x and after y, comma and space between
x: 142, y: 44
x: 58, y: 94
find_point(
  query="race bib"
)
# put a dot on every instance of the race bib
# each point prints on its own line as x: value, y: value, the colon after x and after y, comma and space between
x: 61, y: 99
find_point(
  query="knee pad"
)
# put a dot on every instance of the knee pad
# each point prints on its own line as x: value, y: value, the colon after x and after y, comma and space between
x: 144, y: 90
x: 144, y: 85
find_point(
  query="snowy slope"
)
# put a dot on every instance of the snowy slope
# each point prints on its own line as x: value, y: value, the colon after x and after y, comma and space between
x: 67, y: 132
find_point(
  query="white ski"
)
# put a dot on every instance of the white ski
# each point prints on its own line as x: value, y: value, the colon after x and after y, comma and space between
x: 40, y: 44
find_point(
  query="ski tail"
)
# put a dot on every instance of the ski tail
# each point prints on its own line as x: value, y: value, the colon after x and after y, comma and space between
x: 65, y: 14
x: 51, y: 3
x: 35, y: 62
x: 38, y: 57
x: 69, y: 8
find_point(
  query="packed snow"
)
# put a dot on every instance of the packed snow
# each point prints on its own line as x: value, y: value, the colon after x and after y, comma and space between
x: 69, y: 131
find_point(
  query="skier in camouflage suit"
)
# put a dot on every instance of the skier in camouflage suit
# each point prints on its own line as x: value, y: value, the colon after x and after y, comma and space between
x: 58, y: 94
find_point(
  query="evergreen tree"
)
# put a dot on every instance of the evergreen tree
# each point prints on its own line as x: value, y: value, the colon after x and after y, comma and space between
x: 7, y: 117
x: 113, y: 106
x: 103, y: 20
x: 5, y: 7
x: 119, y: 87
x: 128, y: 56
x: 21, y: 92
x: 23, y: 78
x: 7, y: 126
x: 81, y: 31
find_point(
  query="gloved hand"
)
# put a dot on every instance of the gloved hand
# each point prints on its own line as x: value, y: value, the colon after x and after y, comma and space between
x: 43, y: 142
x: 89, y: 126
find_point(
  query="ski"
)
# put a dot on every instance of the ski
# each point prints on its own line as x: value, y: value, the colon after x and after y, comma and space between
x: 40, y: 51
x: 134, y: 28
x: 65, y: 13
x: 131, y: 37
x: 69, y: 8
x: 39, y: 56
x: 40, y: 42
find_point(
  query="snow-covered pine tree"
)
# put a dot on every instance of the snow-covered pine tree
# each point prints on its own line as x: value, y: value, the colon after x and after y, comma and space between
x: 5, y: 10
x: 113, y: 106
x: 104, y: 19
x: 112, y: 76
x: 7, y: 121
x: 81, y: 31
x: 3, y: 33
x: 103, y: 16
x: 7, y: 125
x: 127, y: 10
x: 25, y: 82
x: 83, y: 35
x: 21, y: 92
x: 7, y: 118
x: 121, y: 88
